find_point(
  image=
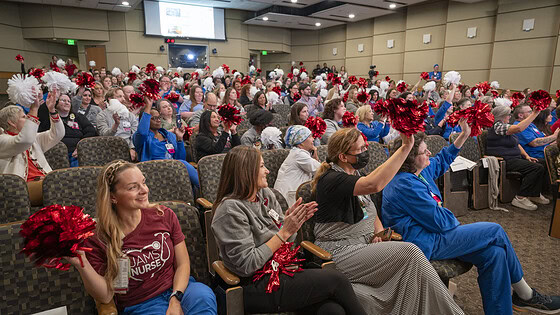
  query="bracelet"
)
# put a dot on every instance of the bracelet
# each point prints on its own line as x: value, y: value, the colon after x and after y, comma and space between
x: 280, y: 238
x: 53, y: 113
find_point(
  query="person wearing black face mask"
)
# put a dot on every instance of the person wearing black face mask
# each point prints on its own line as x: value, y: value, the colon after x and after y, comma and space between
x: 346, y: 225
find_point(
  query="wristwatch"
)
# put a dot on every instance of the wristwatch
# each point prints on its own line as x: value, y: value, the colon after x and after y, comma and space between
x: 178, y: 294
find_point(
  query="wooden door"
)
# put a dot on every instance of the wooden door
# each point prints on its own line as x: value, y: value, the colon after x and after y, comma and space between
x: 97, y: 54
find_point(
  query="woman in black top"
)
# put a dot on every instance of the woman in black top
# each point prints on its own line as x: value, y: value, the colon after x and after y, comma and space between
x: 210, y: 141
x: 290, y: 99
x: 244, y: 98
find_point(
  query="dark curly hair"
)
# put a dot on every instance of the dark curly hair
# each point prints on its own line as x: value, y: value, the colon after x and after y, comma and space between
x: 408, y: 164
x: 330, y: 107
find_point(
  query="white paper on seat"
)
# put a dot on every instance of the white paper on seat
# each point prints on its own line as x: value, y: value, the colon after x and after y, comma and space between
x: 55, y: 311
x: 462, y: 163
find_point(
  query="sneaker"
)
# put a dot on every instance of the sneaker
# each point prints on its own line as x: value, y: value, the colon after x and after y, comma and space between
x: 524, y: 203
x: 540, y: 199
x: 540, y: 303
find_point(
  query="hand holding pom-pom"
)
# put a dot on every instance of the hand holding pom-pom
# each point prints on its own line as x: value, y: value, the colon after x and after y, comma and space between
x: 516, y: 98
x: 136, y: 100
x: 172, y: 97
x: 150, y: 88
x: 55, y: 232
x: 387, y: 78
x: 451, y: 77
x: 229, y: 114
x: 401, y: 87
x: 363, y: 97
x: 352, y: 79
x: 23, y: 89
x: 349, y: 120
x: 150, y: 68
x: 19, y: 58
x: 478, y: 116
x: 85, y: 79
x: 539, y: 100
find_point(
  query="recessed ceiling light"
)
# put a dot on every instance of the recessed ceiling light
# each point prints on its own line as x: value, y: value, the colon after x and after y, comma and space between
x: 294, y: 1
x: 265, y: 18
x: 392, y: 6
x: 351, y: 15
x: 125, y: 3
x: 317, y: 24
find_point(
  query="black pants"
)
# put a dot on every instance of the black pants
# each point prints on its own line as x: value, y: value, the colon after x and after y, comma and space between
x: 312, y: 291
x: 532, y: 176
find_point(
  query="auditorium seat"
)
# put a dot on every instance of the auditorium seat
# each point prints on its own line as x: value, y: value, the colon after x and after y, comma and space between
x: 14, y: 199
x: 57, y: 156
x: 167, y: 180
x: 98, y: 151
x: 273, y: 159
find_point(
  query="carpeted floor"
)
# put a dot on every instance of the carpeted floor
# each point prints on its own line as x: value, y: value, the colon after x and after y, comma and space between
x: 539, y: 253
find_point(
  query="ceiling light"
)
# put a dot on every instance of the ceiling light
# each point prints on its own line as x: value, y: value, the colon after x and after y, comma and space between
x: 265, y: 18
x: 392, y: 6
x: 125, y: 3
x: 351, y: 15
x: 294, y: 1
x: 317, y: 24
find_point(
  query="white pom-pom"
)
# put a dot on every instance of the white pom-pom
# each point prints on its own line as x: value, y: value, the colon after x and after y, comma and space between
x: 218, y: 73
x: 179, y: 70
x: 252, y: 91
x: 59, y: 81
x: 430, y: 86
x: 318, y: 78
x: 236, y: 74
x: 117, y: 107
x: 296, y: 71
x: 384, y: 85
x: 60, y: 63
x: 324, y: 76
x: 252, y: 69
x: 293, y: 63
x: 500, y: 101
x: 451, y: 77
x: 271, y: 137
x: 160, y: 69
x: 23, y: 89
x: 208, y: 84
x: 92, y: 63
x: 272, y: 74
x: 374, y: 87
x: 495, y: 85
x: 279, y: 72
x: 135, y: 69
x: 180, y: 81
x: 272, y: 97
x: 476, y: 92
x: 199, y: 71
x: 400, y: 81
x: 324, y: 93
x: 322, y: 84
x: 116, y: 72
x: 303, y: 75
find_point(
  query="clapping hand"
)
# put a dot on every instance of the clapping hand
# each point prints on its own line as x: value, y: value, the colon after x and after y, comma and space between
x: 296, y: 215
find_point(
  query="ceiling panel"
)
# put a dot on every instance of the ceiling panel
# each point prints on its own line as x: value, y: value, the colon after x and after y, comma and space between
x: 289, y: 3
x: 292, y: 21
x: 342, y: 12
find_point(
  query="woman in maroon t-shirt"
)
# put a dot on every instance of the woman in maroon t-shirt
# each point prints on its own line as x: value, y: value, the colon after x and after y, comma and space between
x: 139, y: 256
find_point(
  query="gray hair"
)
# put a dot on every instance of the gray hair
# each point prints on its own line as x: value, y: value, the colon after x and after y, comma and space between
x: 501, y: 112
x: 9, y: 113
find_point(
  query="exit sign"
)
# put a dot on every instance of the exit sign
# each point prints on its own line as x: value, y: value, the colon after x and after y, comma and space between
x: 264, y: 52
x: 71, y: 42
x: 169, y: 40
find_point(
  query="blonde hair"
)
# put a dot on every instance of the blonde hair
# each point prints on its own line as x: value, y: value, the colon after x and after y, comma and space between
x: 340, y: 142
x: 361, y: 112
x: 333, y: 93
x: 9, y: 113
x: 109, y: 230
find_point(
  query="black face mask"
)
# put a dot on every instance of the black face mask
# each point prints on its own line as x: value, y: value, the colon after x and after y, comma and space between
x: 362, y: 160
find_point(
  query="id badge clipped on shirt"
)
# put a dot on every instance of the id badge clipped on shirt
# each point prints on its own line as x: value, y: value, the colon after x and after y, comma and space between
x: 170, y: 148
x: 126, y: 126
x: 120, y: 284
x: 73, y: 124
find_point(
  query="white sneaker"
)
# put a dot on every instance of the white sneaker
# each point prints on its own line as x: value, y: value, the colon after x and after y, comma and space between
x: 540, y: 199
x: 524, y: 203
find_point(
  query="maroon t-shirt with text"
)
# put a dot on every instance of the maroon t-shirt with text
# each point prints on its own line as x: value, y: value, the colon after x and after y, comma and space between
x: 150, y: 248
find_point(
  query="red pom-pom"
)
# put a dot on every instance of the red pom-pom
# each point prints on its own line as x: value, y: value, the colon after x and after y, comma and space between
x: 301, y: 63
x: 176, y: 75
x: 85, y: 79
x: 352, y: 79
x: 401, y: 87
x: 132, y: 77
x: 259, y: 70
x: 345, y: 97
x: 557, y: 94
x: 317, y: 126
x: 387, y: 78
x: 38, y: 73
x: 229, y: 114
x: 150, y: 88
x: 195, y: 75
x: 381, y: 107
x: 365, y: 139
x: 54, y: 232
x: 516, y: 98
x: 363, y: 97
x: 296, y: 96
x: 19, y: 57
x: 425, y: 76
x: 234, y: 71
x: 478, y: 116
x: 225, y: 67
x: 406, y: 117
x: 375, y: 73
x: 290, y: 76
x: 362, y: 83
x: 172, y: 97
x: 349, y: 120
x: 278, y: 90
x: 56, y: 69
x: 483, y: 88
x: 302, y: 70
x: 206, y: 68
x: 136, y: 100
x: 336, y: 81
x: 150, y: 68
x: 283, y: 258
x: 330, y: 76
x: 539, y: 100
x: 246, y: 80
x: 494, y: 93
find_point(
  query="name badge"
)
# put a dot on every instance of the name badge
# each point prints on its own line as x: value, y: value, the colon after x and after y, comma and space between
x: 170, y: 148
x: 81, y: 111
x: 73, y: 125
x: 126, y: 126
x: 120, y: 284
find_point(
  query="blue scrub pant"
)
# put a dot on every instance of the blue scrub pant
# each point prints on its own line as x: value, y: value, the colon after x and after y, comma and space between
x: 193, y: 174
x: 487, y: 246
x: 198, y: 299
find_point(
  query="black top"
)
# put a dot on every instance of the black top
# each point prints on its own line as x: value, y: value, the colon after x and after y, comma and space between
x: 244, y: 100
x: 506, y: 146
x: 336, y: 200
x: 208, y: 144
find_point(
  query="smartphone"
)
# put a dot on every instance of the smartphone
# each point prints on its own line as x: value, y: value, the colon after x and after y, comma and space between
x: 178, y: 121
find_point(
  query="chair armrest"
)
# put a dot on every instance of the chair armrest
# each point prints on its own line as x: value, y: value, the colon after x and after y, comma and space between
x: 106, y: 308
x: 194, y: 164
x: 229, y: 277
x: 396, y: 236
x: 316, y: 250
x: 204, y: 203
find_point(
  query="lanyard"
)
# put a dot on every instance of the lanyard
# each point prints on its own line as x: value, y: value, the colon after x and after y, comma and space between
x: 434, y: 196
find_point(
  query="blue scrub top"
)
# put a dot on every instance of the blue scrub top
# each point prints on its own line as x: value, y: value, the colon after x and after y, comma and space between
x: 526, y: 136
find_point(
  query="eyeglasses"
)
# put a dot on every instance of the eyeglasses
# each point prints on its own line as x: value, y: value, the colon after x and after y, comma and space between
x: 156, y: 118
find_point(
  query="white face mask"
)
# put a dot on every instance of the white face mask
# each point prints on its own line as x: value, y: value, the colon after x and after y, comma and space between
x: 222, y: 94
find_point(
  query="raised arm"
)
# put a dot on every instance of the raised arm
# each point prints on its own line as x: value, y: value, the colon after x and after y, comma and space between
x: 513, y: 129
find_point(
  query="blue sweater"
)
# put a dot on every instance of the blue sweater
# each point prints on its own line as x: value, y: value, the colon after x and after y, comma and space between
x: 411, y: 210
x: 376, y: 131
x: 149, y: 148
